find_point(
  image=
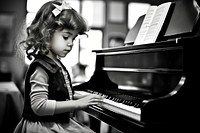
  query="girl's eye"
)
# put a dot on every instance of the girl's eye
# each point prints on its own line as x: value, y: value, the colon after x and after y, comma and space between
x: 65, y: 37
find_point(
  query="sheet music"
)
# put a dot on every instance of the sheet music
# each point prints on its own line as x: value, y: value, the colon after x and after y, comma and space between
x: 152, y: 24
x: 145, y: 25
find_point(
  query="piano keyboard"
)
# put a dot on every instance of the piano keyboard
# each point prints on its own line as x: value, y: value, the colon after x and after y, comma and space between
x: 117, y: 107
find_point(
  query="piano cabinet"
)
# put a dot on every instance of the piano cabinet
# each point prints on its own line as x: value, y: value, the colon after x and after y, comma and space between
x: 160, y: 74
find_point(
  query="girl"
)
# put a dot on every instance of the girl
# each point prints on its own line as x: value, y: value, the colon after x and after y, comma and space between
x: 49, y: 98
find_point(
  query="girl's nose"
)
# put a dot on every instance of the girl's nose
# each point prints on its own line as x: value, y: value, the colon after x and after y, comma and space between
x: 70, y: 44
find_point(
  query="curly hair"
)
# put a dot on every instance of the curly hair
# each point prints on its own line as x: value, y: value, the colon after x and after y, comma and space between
x: 40, y: 32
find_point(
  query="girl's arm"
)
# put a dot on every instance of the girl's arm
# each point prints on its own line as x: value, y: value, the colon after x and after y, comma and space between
x: 41, y: 105
x: 72, y: 105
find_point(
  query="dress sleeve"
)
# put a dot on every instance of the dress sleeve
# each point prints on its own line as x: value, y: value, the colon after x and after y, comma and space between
x: 40, y: 103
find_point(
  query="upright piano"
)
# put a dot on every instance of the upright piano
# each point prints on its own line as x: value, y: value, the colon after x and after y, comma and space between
x: 150, y: 88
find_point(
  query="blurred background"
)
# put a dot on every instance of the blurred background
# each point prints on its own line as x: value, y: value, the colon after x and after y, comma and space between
x: 109, y: 21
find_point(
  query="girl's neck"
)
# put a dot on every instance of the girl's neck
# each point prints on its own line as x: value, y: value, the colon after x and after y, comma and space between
x: 52, y: 56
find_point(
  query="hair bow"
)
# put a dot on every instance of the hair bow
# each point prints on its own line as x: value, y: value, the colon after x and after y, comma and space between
x: 58, y: 8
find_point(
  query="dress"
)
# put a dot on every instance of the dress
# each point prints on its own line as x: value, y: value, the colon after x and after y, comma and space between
x: 39, y: 99
x: 73, y: 126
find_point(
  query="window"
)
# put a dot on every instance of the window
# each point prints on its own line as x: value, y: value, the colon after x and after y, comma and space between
x: 34, y: 5
x: 94, y: 12
x: 135, y: 10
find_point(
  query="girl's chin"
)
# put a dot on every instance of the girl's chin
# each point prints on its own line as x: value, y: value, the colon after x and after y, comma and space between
x: 63, y: 55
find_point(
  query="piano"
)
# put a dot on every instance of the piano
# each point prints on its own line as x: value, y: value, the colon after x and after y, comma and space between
x: 150, y: 87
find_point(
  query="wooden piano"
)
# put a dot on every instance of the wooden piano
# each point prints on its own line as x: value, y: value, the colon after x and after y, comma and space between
x: 150, y: 87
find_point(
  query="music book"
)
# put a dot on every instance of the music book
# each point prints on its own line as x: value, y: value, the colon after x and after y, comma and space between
x: 152, y: 23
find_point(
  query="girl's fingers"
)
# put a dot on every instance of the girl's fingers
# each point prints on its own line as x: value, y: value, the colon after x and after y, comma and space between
x: 96, y: 101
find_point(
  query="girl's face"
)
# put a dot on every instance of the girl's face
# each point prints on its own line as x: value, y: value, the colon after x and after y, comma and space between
x: 62, y: 42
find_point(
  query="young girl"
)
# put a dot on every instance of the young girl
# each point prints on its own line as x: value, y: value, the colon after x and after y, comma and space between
x: 49, y: 98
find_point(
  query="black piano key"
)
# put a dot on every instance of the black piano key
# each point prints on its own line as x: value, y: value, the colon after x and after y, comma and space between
x: 119, y: 97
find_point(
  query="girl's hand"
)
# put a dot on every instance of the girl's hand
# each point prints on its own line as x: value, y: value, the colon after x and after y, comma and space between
x: 89, y: 100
